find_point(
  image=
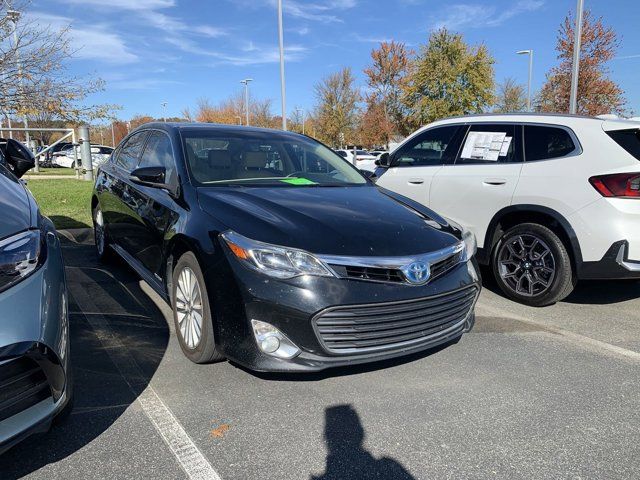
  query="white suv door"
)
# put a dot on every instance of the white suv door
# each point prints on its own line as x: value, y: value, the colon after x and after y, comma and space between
x: 416, y: 162
x: 483, y: 178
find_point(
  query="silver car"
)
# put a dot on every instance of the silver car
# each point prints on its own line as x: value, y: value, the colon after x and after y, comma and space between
x: 35, y: 375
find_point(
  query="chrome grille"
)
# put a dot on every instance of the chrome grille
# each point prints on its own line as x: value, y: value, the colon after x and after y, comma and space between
x: 364, y: 328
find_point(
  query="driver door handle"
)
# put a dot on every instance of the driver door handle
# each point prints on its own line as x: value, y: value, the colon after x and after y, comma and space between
x: 495, y: 181
x: 416, y: 181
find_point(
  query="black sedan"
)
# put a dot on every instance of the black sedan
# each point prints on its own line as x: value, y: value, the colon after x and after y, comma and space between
x: 35, y: 380
x: 276, y: 253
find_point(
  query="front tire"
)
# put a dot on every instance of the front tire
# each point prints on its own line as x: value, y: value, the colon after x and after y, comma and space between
x: 532, y: 266
x: 192, y: 312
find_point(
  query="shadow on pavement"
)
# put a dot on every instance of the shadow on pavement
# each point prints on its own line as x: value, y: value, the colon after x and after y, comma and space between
x: 587, y: 292
x: 112, y: 297
x: 347, y: 457
x: 62, y: 221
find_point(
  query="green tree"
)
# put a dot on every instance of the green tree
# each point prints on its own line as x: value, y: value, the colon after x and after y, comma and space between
x: 337, y: 107
x: 510, y: 97
x: 449, y: 77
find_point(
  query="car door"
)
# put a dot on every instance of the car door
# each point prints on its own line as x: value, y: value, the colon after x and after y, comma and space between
x: 154, y: 209
x: 483, y: 178
x: 414, y: 164
x: 118, y: 202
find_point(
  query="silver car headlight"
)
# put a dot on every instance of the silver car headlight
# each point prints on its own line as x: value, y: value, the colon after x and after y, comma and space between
x: 274, y: 260
x: 20, y: 256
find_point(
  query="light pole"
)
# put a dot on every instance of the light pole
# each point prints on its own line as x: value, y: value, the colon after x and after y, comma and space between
x: 301, y: 113
x: 164, y: 111
x: 282, y: 84
x: 246, y: 98
x: 113, y: 136
x: 575, y: 70
x: 530, y: 53
x: 14, y: 16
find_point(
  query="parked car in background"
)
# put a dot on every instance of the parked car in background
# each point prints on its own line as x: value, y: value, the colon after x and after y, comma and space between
x: 56, y: 148
x: 362, y: 160
x: 99, y: 155
x: 35, y: 374
x: 266, y: 255
x: 552, y: 199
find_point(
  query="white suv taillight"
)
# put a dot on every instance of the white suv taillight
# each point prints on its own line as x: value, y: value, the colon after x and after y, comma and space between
x: 621, y: 185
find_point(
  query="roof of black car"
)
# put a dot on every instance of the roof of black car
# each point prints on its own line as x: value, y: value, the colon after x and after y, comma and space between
x: 216, y: 126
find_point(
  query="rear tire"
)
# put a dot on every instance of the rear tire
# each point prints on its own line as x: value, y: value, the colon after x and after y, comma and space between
x: 100, y: 236
x: 192, y: 312
x: 532, y: 266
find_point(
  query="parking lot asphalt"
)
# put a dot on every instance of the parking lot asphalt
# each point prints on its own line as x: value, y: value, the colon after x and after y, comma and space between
x: 530, y: 393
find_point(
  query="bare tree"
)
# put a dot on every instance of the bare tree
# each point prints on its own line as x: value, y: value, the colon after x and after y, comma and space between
x: 510, y: 97
x: 33, y: 77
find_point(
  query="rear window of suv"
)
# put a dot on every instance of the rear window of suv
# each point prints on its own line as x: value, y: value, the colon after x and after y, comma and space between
x: 544, y: 143
x: 627, y: 139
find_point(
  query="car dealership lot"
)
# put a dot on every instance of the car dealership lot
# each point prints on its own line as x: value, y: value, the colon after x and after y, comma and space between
x: 544, y: 393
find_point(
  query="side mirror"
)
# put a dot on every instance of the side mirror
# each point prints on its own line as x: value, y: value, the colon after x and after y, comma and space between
x: 150, y: 176
x: 383, y: 160
x: 19, y: 158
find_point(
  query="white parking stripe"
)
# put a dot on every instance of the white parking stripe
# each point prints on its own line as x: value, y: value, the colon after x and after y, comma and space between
x: 186, y: 452
x: 583, y: 340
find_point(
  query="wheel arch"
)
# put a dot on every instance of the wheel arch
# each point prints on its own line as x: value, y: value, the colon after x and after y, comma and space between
x: 517, y: 214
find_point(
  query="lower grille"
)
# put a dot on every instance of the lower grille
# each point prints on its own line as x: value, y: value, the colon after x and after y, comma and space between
x: 364, y: 328
x: 22, y: 385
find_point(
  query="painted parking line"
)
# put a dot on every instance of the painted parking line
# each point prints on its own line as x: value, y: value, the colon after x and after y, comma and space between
x: 190, y: 458
x: 582, y: 340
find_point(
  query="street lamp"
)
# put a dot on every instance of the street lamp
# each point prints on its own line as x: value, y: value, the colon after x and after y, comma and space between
x: 301, y: 113
x: 575, y: 70
x: 14, y: 16
x: 164, y: 111
x: 282, y: 84
x: 530, y: 53
x: 246, y: 98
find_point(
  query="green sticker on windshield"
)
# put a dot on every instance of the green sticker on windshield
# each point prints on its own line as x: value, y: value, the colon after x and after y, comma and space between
x: 298, y: 181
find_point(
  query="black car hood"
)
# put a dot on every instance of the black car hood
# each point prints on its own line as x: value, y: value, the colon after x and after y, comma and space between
x: 15, y: 209
x: 363, y: 221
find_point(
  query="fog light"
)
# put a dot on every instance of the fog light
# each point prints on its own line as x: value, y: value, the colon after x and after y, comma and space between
x: 270, y: 344
x: 272, y: 341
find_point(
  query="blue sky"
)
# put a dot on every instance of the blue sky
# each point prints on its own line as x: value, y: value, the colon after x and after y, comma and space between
x: 150, y: 51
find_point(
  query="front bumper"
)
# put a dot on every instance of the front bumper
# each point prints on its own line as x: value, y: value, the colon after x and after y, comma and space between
x: 34, y: 331
x: 291, y: 306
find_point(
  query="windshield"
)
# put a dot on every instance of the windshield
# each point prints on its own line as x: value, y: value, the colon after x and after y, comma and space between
x: 234, y: 157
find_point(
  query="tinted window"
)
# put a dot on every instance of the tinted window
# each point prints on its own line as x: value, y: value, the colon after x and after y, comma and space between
x: 158, y: 153
x: 543, y: 143
x: 257, y: 158
x: 130, y: 151
x: 491, y: 143
x: 627, y: 139
x: 432, y: 147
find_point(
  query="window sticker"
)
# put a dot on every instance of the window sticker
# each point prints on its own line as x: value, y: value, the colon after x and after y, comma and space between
x: 485, y: 145
x: 298, y: 181
x: 504, y: 151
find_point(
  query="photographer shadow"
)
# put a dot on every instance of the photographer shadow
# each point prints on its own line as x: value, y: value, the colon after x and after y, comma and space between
x: 347, y: 458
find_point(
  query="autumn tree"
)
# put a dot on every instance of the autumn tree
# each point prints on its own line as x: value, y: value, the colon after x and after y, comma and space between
x: 597, y: 93
x: 34, y: 80
x: 386, y: 78
x: 375, y: 128
x: 510, y: 97
x: 449, y: 77
x: 337, y: 107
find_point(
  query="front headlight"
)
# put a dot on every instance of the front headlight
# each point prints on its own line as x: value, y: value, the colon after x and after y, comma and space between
x: 20, y: 256
x: 470, y: 244
x: 274, y: 260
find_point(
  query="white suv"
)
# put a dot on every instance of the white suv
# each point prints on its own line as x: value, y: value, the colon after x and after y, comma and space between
x: 551, y: 198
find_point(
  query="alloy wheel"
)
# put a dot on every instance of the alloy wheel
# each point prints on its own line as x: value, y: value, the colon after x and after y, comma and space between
x: 526, y: 265
x: 189, y: 308
x: 98, y: 223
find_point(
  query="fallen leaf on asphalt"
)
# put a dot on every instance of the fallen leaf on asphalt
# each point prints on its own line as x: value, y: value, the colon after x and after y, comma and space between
x: 219, y: 431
